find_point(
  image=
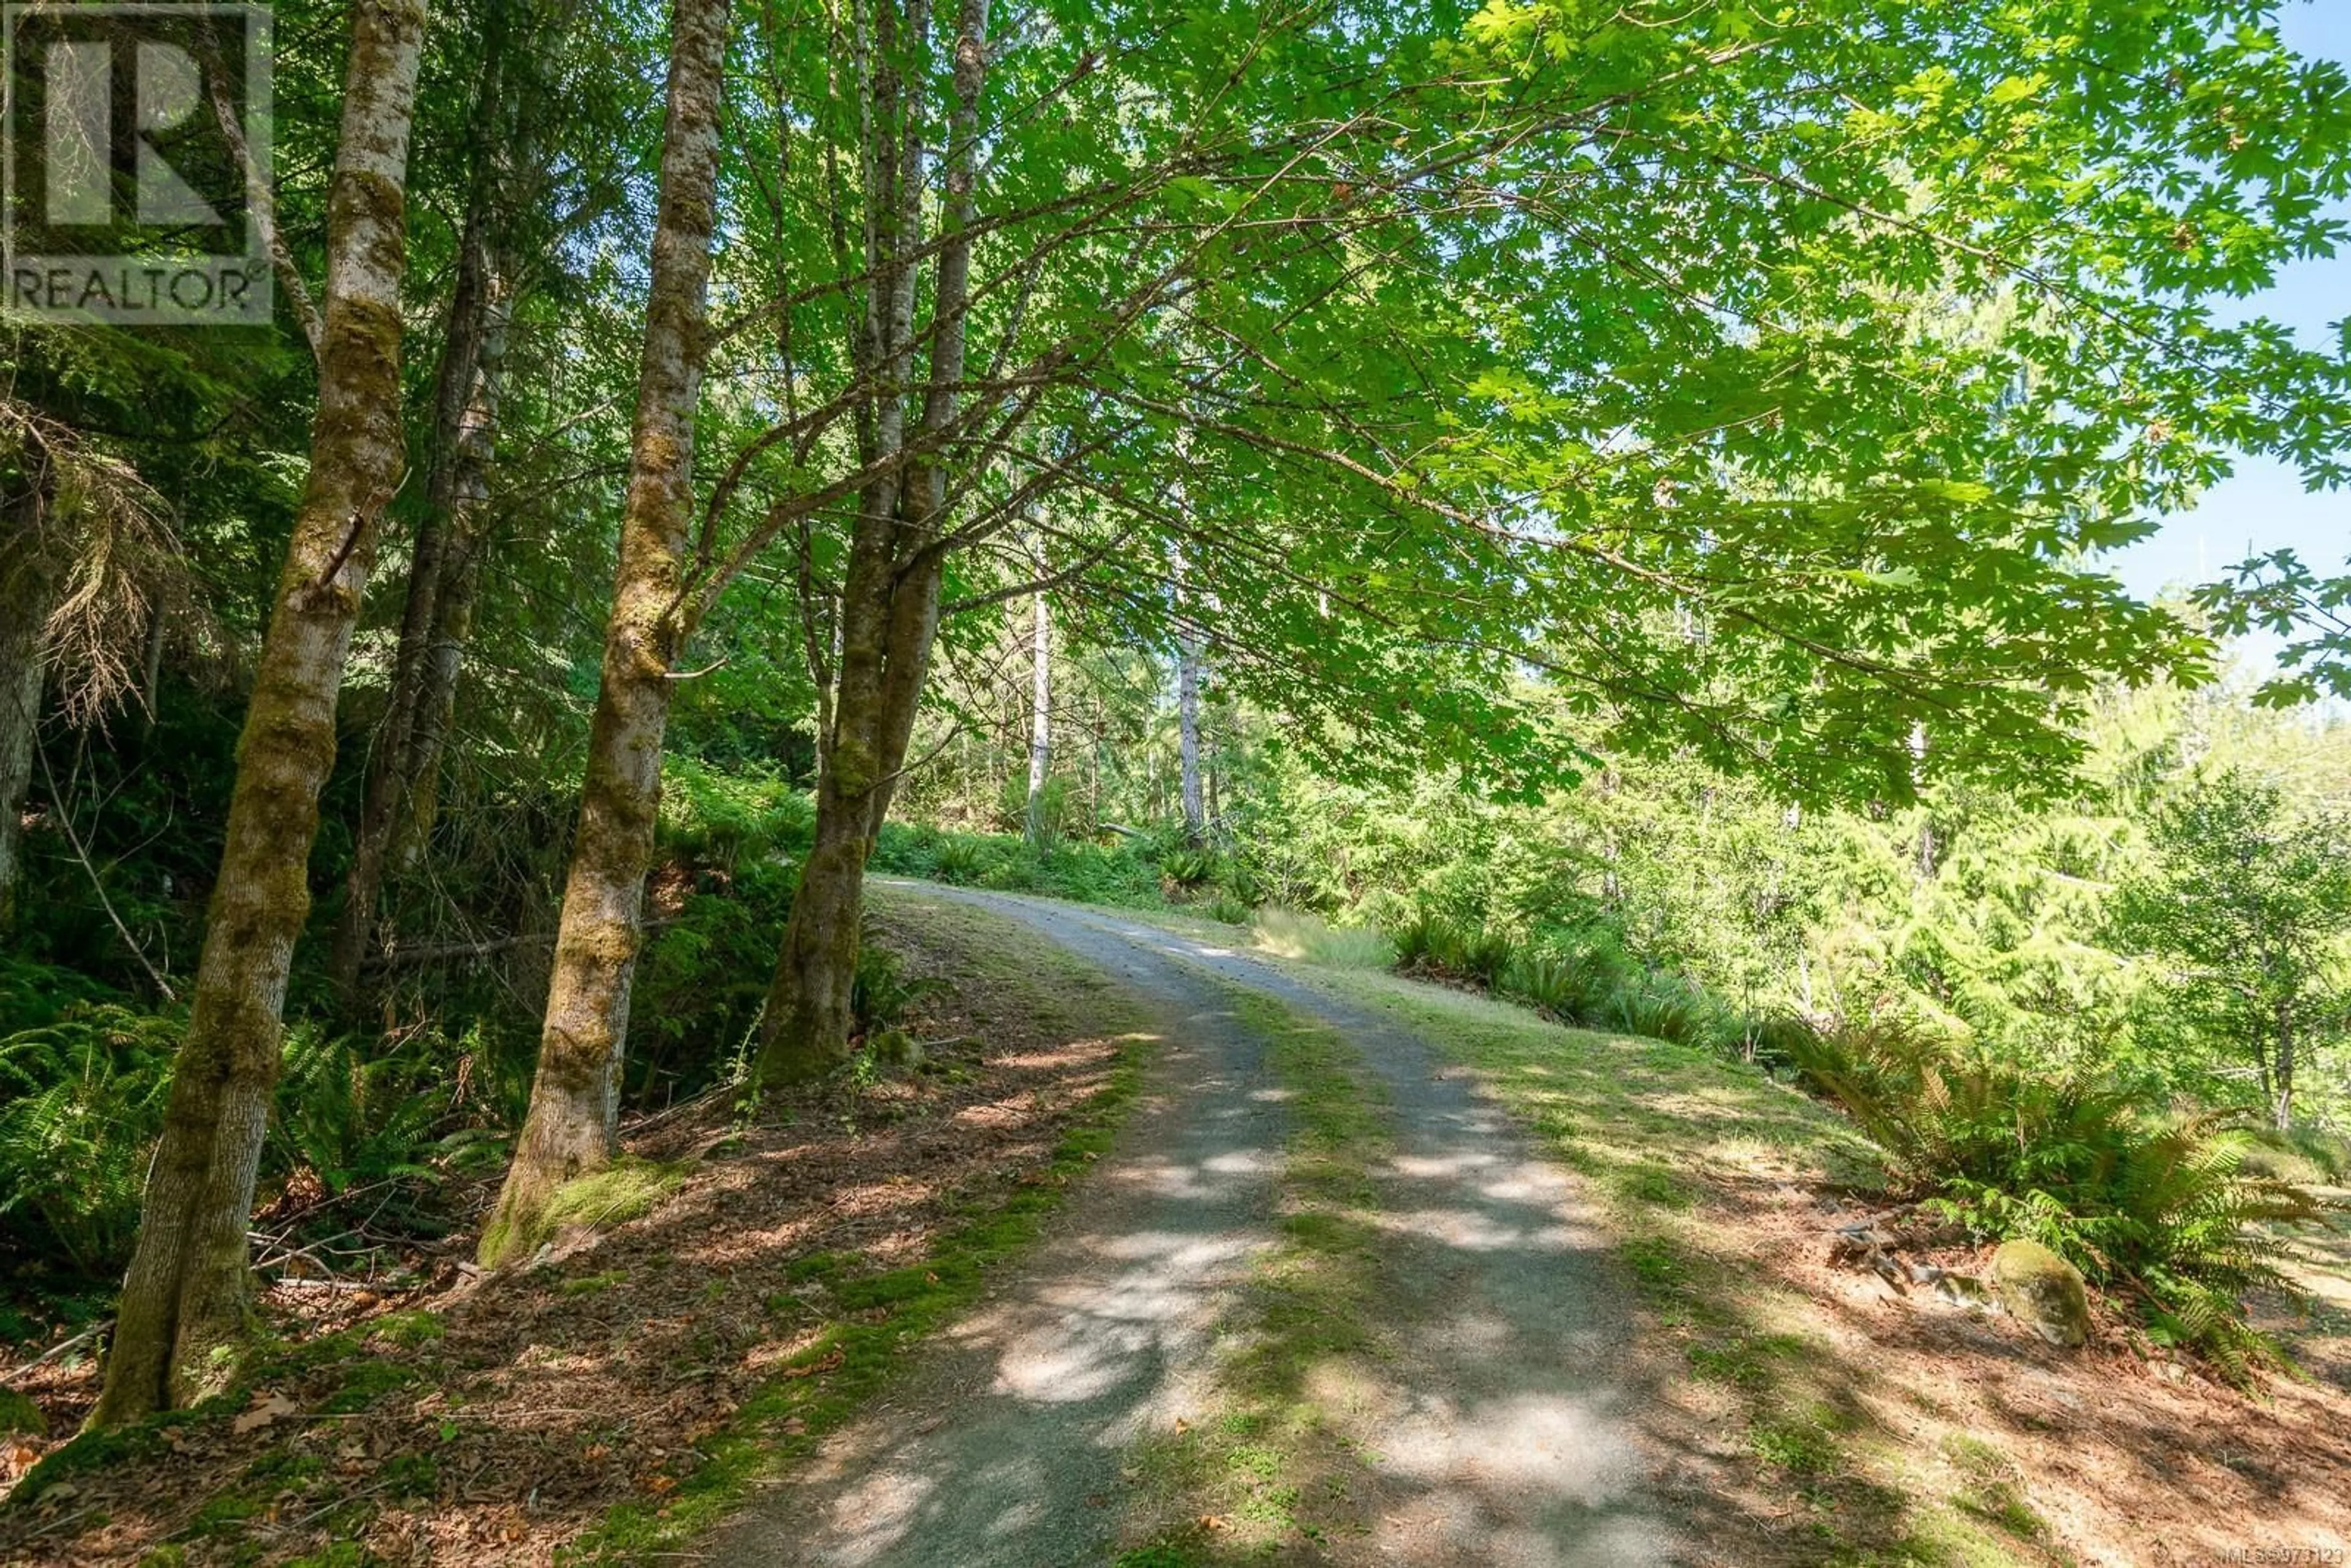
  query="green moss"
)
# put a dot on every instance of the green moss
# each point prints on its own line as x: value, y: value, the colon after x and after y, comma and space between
x: 626, y: 1189
x: 101, y: 1449
x: 224, y: 1512
x: 19, y: 1414
x: 408, y: 1329
x: 589, y: 1284
x: 365, y: 1382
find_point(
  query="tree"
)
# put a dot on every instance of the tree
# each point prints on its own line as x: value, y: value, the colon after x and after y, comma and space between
x: 1467, y: 355
x: 1041, y: 719
x: 2279, y: 593
x: 2249, y: 910
x: 187, y: 1295
x: 574, y: 1105
x: 465, y: 398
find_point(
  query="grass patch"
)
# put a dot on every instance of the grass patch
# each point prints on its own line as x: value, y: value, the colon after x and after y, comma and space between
x: 1664, y: 1133
x: 1291, y: 934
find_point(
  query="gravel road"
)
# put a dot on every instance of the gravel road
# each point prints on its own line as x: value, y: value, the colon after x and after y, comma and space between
x: 1504, y: 1422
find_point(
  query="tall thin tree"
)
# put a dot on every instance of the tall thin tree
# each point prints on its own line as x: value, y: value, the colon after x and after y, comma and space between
x: 188, y: 1292
x: 573, y: 1102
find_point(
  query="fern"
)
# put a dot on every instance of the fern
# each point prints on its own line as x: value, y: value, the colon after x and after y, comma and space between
x: 84, y: 1098
x: 2166, y: 1214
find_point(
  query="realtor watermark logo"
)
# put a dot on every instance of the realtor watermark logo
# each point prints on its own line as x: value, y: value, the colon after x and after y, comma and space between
x: 134, y: 161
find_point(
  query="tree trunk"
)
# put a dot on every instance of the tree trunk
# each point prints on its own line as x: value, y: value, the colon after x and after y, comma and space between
x: 1188, y: 733
x: 573, y: 1100
x: 890, y: 592
x: 29, y: 571
x: 452, y: 613
x: 461, y: 413
x: 1040, y: 720
x: 186, y: 1300
x: 2282, y: 1107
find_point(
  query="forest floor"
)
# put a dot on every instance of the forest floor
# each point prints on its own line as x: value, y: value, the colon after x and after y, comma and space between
x: 1374, y: 1271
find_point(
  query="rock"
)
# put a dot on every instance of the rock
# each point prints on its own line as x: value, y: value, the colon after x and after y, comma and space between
x: 18, y: 1413
x: 2042, y: 1290
x: 896, y: 1051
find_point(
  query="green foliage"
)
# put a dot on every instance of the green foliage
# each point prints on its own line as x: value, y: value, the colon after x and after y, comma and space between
x: 1668, y: 1007
x: 1226, y: 909
x: 2277, y: 592
x: 80, y: 1100
x: 723, y: 818
x: 703, y: 978
x: 1088, y: 874
x: 1187, y: 869
x: 1435, y: 944
x: 350, y: 1111
x: 2249, y: 909
x: 882, y: 990
x: 2163, y: 1212
x: 1293, y: 933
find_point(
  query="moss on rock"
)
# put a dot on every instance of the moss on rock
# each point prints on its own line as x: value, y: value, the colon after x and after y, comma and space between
x: 2043, y: 1290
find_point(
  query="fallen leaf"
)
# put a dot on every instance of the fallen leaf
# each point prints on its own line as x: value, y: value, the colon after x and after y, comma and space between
x: 793, y: 1427
x: 660, y: 1484
x: 266, y: 1407
x: 825, y: 1364
x: 596, y: 1451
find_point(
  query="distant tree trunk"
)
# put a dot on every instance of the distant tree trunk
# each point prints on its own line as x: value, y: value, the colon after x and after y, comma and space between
x: 151, y: 672
x: 573, y: 1099
x: 1188, y: 733
x: 890, y: 591
x: 29, y: 573
x: 187, y: 1294
x: 461, y: 402
x: 2282, y: 1106
x: 1041, y: 718
x: 452, y: 606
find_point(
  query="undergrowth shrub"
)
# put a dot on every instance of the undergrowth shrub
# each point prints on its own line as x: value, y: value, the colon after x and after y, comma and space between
x: 702, y: 981
x: 1668, y: 1007
x: 1186, y: 868
x: 882, y: 991
x: 1294, y: 933
x: 83, y: 1100
x: 2165, y: 1214
x: 725, y: 819
x: 1226, y: 910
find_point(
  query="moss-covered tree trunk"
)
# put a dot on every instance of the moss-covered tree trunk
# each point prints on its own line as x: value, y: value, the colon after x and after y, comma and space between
x: 890, y: 592
x: 574, y: 1104
x: 29, y: 572
x: 186, y: 1300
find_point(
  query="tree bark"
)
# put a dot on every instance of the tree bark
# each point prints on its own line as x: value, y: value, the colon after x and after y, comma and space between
x: 462, y: 404
x: 29, y: 572
x: 186, y: 1300
x: 2282, y: 1107
x: 452, y: 606
x: 890, y: 592
x: 1187, y: 732
x: 1041, y: 719
x: 574, y: 1098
